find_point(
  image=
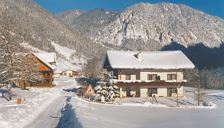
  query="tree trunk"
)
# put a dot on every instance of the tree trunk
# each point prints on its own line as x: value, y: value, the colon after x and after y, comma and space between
x: 10, y: 91
x: 177, y: 98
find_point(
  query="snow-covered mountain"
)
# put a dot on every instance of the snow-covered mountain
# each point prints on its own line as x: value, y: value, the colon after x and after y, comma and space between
x: 154, y: 24
x: 161, y: 26
x: 89, y: 22
x: 142, y: 26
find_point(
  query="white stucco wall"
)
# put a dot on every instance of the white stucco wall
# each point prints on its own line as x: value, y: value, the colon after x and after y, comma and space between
x: 133, y: 77
x: 143, y: 92
x: 123, y: 92
x: 162, y: 92
x: 121, y: 77
x: 56, y: 75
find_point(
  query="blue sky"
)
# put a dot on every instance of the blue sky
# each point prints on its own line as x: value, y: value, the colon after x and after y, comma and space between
x: 213, y: 7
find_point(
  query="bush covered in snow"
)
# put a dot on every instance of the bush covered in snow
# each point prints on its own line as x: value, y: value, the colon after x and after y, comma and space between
x: 106, y: 93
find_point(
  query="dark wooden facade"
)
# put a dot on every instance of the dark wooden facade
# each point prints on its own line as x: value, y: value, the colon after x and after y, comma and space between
x: 45, y: 74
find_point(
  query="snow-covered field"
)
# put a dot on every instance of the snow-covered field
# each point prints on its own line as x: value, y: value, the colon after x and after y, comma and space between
x: 70, y: 54
x: 93, y: 115
x: 136, y: 115
x: 60, y: 107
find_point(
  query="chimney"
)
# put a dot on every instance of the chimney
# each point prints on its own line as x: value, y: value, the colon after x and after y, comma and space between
x: 138, y: 56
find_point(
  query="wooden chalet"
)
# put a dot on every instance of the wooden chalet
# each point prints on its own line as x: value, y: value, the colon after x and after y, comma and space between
x: 44, y: 62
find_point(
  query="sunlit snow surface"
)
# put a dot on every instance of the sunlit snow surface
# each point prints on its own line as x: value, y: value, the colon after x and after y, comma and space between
x: 80, y: 113
x: 35, y: 102
x: 94, y: 115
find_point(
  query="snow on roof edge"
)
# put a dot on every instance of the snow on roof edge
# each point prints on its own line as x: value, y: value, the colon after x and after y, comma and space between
x: 44, y: 61
x: 187, y: 65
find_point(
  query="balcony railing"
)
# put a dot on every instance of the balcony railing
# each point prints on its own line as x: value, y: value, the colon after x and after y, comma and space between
x: 147, y: 81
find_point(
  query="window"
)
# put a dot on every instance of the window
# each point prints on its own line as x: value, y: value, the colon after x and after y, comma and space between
x: 70, y: 74
x: 47, y: 80
x: 152, y: 91
x: 128, y: 77
x: 152, y: 77
x: 171, y: 76
x: 170, y: 91
x: 138, y: 76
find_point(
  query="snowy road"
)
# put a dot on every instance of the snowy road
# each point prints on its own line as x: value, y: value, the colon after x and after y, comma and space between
x: 50, y: 117
x: 40, y: 108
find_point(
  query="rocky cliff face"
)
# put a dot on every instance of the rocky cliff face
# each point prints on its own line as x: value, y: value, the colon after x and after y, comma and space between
x: 152, y: 26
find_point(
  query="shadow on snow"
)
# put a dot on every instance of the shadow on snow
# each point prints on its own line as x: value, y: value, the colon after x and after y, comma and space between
x: 68, y: 118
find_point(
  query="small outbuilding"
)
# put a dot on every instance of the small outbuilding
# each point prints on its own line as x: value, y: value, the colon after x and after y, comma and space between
x: 64, y: 68
x: 70, y: 73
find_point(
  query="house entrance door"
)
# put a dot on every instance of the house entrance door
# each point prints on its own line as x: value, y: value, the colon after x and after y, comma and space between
x: 128, y: 91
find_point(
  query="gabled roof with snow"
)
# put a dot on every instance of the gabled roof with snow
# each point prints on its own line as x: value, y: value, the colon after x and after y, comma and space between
x: 148, y: 60
x: 46, y: 58
x: 49, y: 57
x: 63, y: 65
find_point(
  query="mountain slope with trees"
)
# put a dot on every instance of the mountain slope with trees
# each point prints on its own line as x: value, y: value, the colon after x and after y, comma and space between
x: 32, y: 24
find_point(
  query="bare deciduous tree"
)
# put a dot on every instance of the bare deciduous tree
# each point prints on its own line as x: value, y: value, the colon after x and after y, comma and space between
x: 15, y: 63
x: 197, y: 80
x: 93, y: 68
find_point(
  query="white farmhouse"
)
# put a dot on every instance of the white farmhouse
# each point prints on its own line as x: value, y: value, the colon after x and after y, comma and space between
x: 148, y: 73
x: 65, y: 68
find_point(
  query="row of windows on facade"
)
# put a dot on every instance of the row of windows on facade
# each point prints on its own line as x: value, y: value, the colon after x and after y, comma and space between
x: 155, y: 77
x: 70, y: 74
x: 150, y: 92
